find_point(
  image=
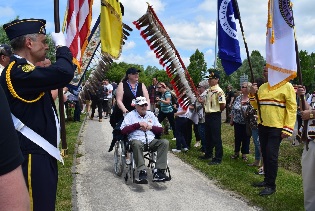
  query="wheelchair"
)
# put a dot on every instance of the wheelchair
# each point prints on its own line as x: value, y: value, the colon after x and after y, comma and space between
x: 121, y: 150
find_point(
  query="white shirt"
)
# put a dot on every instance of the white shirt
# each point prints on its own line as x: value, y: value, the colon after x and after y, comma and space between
x: 109, y: 88
x: 134, y: 117
x: 1, y: 68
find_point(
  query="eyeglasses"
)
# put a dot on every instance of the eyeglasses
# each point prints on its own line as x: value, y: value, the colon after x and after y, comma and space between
x: 143, y: 105
x: 244, y: 86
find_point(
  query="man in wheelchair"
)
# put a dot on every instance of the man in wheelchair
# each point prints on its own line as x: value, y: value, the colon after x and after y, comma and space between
x: 142, y: 126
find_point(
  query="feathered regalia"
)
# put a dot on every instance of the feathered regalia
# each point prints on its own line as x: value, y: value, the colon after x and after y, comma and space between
x: 107, y: 28
x: 158, y: 40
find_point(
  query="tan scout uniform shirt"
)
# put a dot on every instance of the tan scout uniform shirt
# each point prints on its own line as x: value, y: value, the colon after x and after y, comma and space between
x: 214, y: 98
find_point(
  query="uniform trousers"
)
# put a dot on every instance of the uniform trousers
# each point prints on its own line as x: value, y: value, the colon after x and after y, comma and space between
x: 270, y: 139
x: 41, y: 176
x: 213, y: 136
x: 158, y: 145
x: 308, y: 172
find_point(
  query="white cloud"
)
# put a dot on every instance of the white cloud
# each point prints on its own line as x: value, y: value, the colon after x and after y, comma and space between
x: 6, y: 12
x: 129, y: 45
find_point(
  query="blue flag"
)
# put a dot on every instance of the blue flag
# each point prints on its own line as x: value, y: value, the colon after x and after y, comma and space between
x: 229, y: 48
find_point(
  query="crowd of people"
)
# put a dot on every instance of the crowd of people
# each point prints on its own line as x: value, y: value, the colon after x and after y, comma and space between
x: 268, y: 116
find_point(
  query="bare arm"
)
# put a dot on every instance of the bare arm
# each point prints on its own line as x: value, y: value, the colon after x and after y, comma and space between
x: 119, y: 97
x: 13, y: 192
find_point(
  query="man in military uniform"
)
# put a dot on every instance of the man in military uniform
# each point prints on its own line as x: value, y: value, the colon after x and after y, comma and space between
x: 27, y: 88
x: 214, y: 105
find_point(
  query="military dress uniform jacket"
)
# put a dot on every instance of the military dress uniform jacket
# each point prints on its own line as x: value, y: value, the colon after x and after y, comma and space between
x: 29, y: 82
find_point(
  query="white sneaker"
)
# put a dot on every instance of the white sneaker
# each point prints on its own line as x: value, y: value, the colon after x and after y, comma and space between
x: 173, y: 139
x: 185, y: 149
x: 176, y: 150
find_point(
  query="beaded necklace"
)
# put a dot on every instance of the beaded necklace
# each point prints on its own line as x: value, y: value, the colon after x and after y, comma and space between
x: 134, y: 91
x: 11, y: 89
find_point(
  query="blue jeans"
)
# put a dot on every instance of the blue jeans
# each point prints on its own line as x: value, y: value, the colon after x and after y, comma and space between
x: 256, y: 143
x: 202, y: 134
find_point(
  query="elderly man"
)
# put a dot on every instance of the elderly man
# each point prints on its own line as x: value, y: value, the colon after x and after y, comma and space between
x: 142, y: 126
x: 27, y: 88
x: 5, y: 53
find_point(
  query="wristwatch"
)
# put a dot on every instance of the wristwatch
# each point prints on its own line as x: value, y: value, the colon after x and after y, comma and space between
x: 311, y: 115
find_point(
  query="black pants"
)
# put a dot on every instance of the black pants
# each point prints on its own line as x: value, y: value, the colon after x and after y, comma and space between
x: 77, y: 111
x: 270, y: 139
x: 41, y: 176
x: 213, y: 136
x: 181, y: 125
x: 99, y: 105
x: 170, y: 117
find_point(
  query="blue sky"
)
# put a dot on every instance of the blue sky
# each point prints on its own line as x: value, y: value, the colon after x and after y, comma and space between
x: 190, y: 24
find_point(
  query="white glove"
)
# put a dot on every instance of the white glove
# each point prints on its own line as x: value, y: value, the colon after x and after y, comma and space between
x: 59, y: 39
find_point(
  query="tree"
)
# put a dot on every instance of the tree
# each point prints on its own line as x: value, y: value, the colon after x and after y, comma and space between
x: 197, y: 67
x: 307, y: 63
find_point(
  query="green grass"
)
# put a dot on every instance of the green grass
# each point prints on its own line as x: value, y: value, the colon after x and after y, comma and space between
x: 64, y: 193
x: 232, y: 175
x: 236, y: 176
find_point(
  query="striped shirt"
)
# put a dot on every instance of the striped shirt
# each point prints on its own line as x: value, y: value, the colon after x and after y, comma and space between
x: 278, y: 107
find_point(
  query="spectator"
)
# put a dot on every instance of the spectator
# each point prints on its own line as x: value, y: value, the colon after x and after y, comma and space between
x: 181, y: 124
x: 166, y: 108
x: 229, y: 101
x: 5, y: 54
x: 109, y: 88
x: 27, y: 88
x: 142, y: 126
x: 97, y: 101
x: 202, y: 89
x: 153, y: 93
x: 214, y: 105
x: 13, y: 191
x: 280, y: 103
x: 239, y: 120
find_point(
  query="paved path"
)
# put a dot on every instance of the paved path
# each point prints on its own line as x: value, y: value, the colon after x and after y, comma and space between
x: 97, y: 188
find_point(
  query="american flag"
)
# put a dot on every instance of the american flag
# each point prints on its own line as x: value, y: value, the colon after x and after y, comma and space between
x: 78, y: 27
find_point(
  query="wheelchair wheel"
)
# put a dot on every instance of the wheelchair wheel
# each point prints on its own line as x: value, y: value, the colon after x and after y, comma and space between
x: 119, y: 158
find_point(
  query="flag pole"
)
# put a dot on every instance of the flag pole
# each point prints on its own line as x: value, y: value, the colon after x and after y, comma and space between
x: 300, y: 79
x: 245, y: 43
x: 60, y: 90
x: 216, y: 41
x: 247, y: 53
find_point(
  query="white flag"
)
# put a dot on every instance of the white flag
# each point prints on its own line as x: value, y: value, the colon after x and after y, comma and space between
x: 280, y: 43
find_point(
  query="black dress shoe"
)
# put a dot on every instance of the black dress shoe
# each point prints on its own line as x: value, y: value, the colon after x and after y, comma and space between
x: 213, y: 163
x: 260, y: 184
x: 204, y: 157
x: 267, y: 191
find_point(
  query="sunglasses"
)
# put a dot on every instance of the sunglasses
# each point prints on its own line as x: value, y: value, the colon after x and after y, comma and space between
x: 143, y: 105
x: 244, y: 86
